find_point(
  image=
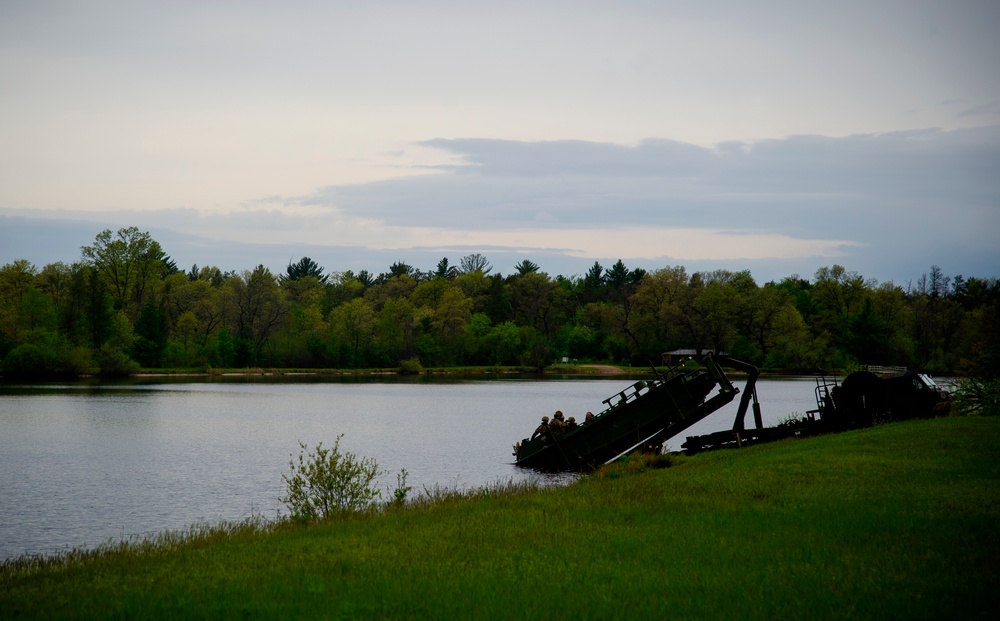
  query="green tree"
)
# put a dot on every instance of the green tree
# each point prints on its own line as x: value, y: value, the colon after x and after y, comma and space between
x: 16, y: 282
x: 429, y: 292
x: 891, y: 307
x: 343, y: 288
x: 395, y: 332
x: 476, y: 287
x: 762, y: 315
x: 526, y: 267
x: 150, y: 336
x: 474, y: 263
x: 708, y: 312
x: 582, y: 341
x: 260, y: 308
x: 100, y: 309
x: 474, y: 341
x: 303, y: 268
x: 113, y: 357
x: 352, y: 324
x: 225, y: 346
x: 394, y: 288
x: 538, y: 301
x: 212, y: 304
x: 619, y: 316
x: 445, y: 270
x: 186, y: 332
x: 936, y: 324
x: 659, y: 300
x: 592, y: 286
x: 400, y: 268
x: 450, y: 319
x: 868, y: 336
x: 129, y: 261
x: 68, y: 287
x: 499, y: 306
x: 839, y: 295
x: 503, y: 344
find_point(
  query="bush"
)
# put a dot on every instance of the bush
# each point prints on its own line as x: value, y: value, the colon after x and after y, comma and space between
x: 51, y: 356
x: 410, y: 366
x: 973, y: 396
x: 25, y: 361
x: 326, y: 482
x: 115, y: 363
x: 402, y: 489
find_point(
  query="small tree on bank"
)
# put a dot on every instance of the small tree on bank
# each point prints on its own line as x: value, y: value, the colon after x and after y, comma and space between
x: 326, y: 482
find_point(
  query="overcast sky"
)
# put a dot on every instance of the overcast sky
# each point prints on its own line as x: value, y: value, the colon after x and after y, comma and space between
x: 772, y: 136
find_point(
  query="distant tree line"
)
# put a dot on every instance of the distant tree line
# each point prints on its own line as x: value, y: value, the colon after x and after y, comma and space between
x: 127, y: 305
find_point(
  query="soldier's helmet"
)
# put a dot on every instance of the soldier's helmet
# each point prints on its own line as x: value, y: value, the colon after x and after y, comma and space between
x: 545, y: 419
x: 572, y: 419
x: 559, y: 415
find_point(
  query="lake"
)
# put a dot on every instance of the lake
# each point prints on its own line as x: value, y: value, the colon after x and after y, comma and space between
x: 84, y: 463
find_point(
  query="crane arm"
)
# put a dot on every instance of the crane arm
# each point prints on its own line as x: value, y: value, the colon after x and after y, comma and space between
x: 750, y: 392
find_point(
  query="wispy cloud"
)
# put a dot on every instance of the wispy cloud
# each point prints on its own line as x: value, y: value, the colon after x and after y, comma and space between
x: 809, y: 199
x: 804, y: 186
x: 866, y: 200
x: 990, y: 109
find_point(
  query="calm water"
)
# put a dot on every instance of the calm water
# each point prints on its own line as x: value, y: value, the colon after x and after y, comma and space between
x: 82, y: 464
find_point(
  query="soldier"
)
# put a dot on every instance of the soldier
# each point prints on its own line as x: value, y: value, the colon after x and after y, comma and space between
x: 558, y: 425
x: 571, y: 423
x: 542, y: 429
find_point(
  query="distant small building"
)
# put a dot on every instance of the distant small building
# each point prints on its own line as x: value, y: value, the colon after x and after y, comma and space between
x: 670, y: 358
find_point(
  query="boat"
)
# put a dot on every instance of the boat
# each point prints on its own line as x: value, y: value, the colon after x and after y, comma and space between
x: 645, y: 414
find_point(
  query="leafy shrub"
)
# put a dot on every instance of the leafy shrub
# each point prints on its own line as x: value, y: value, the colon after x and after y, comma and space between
x: 115, y: 363
x: 326, y: 481
x: 25, y: 361
x: 974, y: 396
x: 402, y: 489
x: 410, y: 366
x: 51, y: 356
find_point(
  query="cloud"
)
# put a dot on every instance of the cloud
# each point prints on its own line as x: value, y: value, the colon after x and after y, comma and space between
x: 895, y: 201
x: 991, y: 108
x: 853, y: 188
x: 505, y: 158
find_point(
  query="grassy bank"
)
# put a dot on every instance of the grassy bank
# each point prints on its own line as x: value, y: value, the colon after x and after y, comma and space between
x: 896, y: 522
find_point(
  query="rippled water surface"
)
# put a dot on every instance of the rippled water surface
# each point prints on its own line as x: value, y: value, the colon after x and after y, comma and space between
x: 82, y: 464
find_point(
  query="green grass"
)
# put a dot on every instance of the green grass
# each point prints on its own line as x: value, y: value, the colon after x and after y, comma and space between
x: 896, y: 522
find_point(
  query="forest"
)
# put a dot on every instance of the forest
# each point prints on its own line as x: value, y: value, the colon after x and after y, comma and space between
x: 126, y: 306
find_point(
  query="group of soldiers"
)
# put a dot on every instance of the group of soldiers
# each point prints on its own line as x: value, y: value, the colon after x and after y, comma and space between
x: 557, y: 426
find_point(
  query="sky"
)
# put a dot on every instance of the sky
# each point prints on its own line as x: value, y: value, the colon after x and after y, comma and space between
x: 771, y: 136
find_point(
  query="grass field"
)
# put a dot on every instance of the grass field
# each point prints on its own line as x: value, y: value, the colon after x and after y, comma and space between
x: 900, y: 521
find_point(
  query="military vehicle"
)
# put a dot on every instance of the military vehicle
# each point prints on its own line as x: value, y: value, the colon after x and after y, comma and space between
x: 646, y: 414
x: 650, y: 412
x: 863, y: 398
x: 880, y: 395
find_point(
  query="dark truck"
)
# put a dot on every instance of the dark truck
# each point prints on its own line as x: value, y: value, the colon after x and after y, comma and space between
x: 868, y: 397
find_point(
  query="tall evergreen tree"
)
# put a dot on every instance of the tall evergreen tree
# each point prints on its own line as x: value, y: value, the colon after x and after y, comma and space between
x: 304, y: 267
